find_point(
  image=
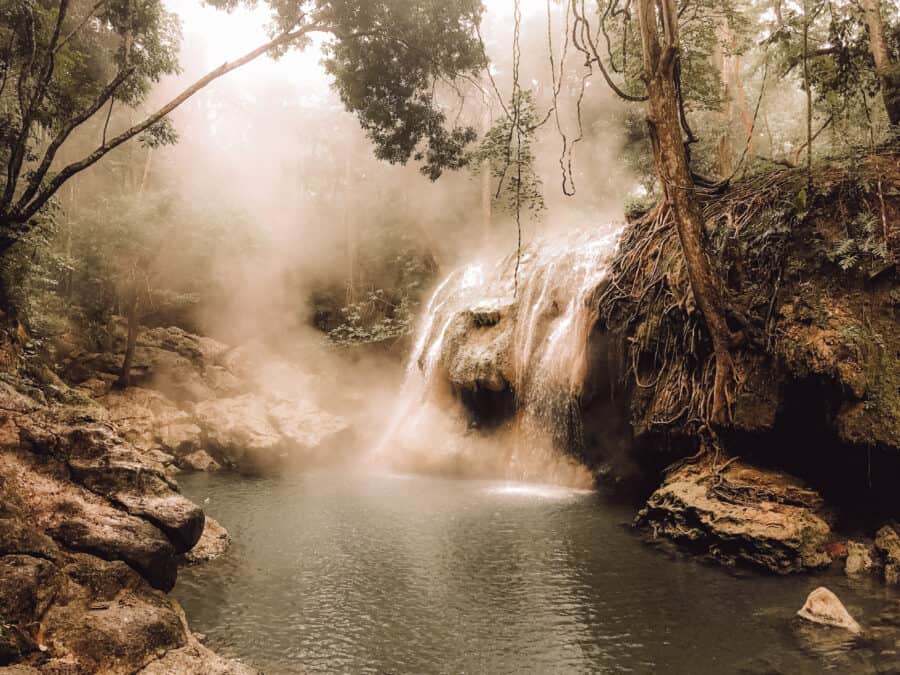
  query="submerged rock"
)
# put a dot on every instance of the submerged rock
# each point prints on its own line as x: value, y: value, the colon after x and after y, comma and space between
x: 823, y: 607
x: 741, y: 514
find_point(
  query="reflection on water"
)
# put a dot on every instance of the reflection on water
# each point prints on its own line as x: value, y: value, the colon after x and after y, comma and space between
x: 372, y: 574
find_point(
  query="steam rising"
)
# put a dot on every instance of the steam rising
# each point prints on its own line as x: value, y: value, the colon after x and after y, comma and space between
x: 270, y: 154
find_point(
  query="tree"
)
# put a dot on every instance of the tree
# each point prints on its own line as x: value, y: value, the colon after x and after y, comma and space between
x: 888, y: 71
x: 660, y: 47
x: 385, y: 56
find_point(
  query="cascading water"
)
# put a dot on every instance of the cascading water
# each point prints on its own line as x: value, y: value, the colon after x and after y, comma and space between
x: 486, y: 356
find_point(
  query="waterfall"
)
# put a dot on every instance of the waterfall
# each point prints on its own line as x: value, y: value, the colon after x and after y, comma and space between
x: 483, y: 351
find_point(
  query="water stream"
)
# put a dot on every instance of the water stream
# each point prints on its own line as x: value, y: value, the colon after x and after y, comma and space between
x: 380, y: 573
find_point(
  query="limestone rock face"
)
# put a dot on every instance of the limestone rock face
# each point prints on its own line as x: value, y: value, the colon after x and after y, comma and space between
x: 823, y: 607
x: 195, y: 408
x: 741, y: 514
x: 238, y: 429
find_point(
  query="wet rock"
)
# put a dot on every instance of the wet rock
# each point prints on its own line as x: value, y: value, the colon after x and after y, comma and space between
x: 741, y: 514
x: 214, y: 541
x: 195, y: 659
x: 887, y: 542
x: 823, y: 607
x: 477, y: 351
x: 859, y: 559
x: 199, y: 461
x: 98, y: 459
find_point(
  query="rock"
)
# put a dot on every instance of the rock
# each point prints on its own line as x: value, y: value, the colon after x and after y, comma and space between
x: 256, y: 432
x: 195, y: 659
x: 859, y: 559
x: 28, y: 585
x: 238, y: 430
x: 91, y: 527
x: 887, y: 542
x: 213, y: 542
x: 212, y: 351
x: 80, y: 520
x: 222, y: 382
x: 743, y: 514
x: 823, y: 607
x: 199, y: 461
x: 150, y: 420
x: 87, y: 489
x: 310, y: 432
x: 181, y: 438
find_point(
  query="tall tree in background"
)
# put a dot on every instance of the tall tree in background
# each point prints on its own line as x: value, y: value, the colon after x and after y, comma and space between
x: 887, y: 69
x: 660, y: 47
x: 385, y: 57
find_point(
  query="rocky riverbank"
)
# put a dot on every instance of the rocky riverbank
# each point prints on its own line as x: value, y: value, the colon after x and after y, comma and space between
x: 92, y: 525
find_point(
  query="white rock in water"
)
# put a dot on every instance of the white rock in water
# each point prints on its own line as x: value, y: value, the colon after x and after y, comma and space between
x: 823, y: 607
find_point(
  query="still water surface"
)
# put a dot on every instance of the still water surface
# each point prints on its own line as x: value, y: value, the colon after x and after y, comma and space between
x: 359, y: 573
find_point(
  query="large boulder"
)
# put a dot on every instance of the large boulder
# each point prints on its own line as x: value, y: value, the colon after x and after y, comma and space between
x: 238, y: 430
x: 740, y: 513
x: 256, y: 432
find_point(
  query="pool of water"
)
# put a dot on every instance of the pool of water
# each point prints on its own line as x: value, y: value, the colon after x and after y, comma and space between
x: 366, y: 573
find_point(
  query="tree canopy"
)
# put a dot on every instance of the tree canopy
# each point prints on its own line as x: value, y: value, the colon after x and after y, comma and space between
x: 65, y: 61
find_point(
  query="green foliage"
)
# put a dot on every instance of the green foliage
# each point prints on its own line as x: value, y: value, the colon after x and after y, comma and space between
x: 863, y: 245
x: 30, y: 279
x: 395, y: 271
x: 511, y: 158
x: 386, y: 57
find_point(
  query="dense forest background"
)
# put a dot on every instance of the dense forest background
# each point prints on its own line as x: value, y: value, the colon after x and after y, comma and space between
x: 309, y: 232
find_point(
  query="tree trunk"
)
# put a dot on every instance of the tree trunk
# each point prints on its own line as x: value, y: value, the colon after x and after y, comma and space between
x: 124, y: 380
x: 678, y: 186
x: 888, y: 72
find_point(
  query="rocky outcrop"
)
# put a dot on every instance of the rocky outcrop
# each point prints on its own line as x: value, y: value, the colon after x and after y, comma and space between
x: 91, y: 531
x: 824, y: 608
x: 201, y: 405
x: 739, y: 513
